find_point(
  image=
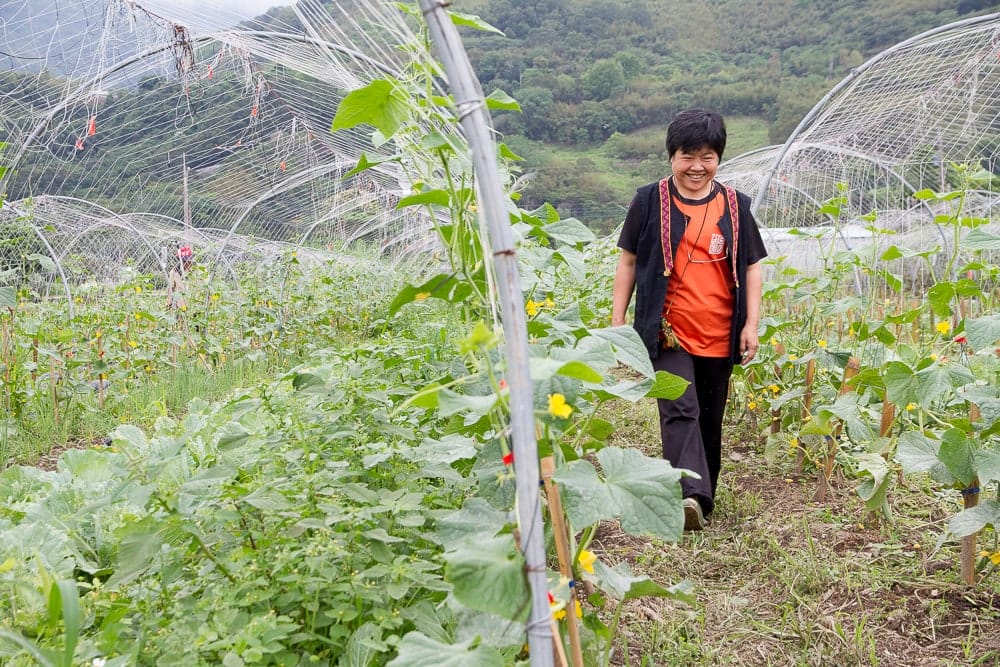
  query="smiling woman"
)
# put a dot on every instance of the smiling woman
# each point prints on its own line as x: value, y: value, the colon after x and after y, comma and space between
x: 690, y: 250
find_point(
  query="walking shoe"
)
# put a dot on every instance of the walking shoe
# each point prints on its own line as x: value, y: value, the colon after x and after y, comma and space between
x: 694, y: 519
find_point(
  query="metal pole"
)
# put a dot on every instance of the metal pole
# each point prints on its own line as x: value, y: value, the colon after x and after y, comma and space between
x: 475, y: 121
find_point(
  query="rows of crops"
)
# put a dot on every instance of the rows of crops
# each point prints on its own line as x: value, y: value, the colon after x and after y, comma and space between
x: 356, y: 508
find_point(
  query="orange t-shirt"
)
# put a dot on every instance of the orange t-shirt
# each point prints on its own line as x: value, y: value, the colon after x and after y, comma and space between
x: 700, y: 289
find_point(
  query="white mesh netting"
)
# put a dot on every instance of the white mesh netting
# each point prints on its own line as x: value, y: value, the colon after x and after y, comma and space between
x: 912, y: 118
x: 134, y: 127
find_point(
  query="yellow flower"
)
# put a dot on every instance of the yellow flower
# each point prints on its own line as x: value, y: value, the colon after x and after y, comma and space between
x: 910, y: 407
x: 214, y: 297
x: 794, y: 442
x: 774, y: 388
x: 934, y: 356
x: 531, y: 308
x: 549, y: 303
x: 793, y: 357
x: 821, y: 342
x: 184, y: 307
x: 587, y: 559
x: 560, y: 614
x: 472, y: 207
x: 943, y: 327
x: 138, y: 290
x: 774, y: 340
x: 995, y: 558
x: 558, y: 407
x: 752, y: 405
x: 422, y: 296
x: 132, y: 344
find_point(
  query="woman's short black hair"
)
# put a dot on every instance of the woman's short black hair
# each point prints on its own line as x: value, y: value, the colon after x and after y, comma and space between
x: 695, y: 128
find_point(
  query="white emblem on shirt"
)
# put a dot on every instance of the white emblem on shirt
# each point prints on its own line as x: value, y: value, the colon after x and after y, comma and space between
x: 717, y: 245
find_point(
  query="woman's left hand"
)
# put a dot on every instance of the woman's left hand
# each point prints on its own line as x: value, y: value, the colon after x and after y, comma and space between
x: 749, y: 344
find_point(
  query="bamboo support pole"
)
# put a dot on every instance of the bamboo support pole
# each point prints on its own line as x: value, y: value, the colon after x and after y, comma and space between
x: 970, y: 498
x: 888, y: 415
x: 565, y: 557
x: 557, y: 645
x: 826, y: 473
x: 779, y: 351
x: 800, y: 456
x: 55, y: 391
x: 474, y: 117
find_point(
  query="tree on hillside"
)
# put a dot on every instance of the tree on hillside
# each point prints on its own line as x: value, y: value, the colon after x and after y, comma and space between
x: 604, y: 79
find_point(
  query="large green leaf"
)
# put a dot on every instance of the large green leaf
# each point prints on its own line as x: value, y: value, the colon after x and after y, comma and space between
x: 900, y: 385
x: 544, y: 368
x: 980, y: 239
x: 957, y: 453
x: 668, y: 386
x: 360, y: 651
x: 381, y: 104
x: 64, y: 604
x: 499, y: 100
x: 628, y: 348
x: 940, y: 297
x: 988, y: 466
x: 974, y: 519
x: 44, y: 261
x: 418, y: 650
x: 438, y: 197
x: 451, y: 402
x: 476, y: 519
x: 873, y: 488
x: 622, y: 584
x: 937, y: 382
x: 569, y: 231
x: 644, y: 493
x: 42, y: 657
x: 8, y: 297
x: 445, y: 286
x: 984, y: 332
x: 918, y: 453
x: 487, y: 574
x: 138, y: 549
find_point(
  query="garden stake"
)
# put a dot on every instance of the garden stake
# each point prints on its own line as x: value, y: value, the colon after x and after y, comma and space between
x: 55, y: 393
x: 800, y: 456
x: 8, y: 363
x: 884, y: 428
x: 565, y: 559
x: 852, y: 369
x: 779, y: 351
x: 970, y: 498
x: 557, y: 644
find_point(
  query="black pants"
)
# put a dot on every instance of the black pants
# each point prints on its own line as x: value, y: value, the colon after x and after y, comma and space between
x: 691, y: 426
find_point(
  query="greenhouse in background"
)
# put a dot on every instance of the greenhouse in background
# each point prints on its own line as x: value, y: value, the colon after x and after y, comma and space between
x: 133, y: 128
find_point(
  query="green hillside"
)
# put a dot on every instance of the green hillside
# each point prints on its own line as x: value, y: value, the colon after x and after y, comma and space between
x: 598, y: 81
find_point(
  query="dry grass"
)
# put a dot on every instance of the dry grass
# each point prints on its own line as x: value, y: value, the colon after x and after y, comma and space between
x: 781, y: 580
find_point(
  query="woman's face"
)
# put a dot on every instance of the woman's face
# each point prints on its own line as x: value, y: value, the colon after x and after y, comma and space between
x: 694, y: 171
